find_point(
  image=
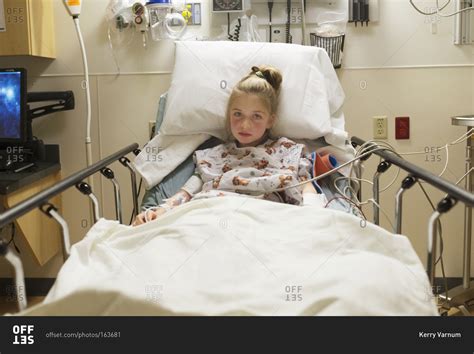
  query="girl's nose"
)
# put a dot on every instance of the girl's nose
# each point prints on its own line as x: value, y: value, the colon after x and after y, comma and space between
x: 246, y: 123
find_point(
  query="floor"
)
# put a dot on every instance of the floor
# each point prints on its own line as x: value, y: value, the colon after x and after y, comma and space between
x: 9, y: 305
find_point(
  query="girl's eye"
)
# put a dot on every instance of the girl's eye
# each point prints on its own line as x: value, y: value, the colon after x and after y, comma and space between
x: 237, y: 114
x: 257, y: 116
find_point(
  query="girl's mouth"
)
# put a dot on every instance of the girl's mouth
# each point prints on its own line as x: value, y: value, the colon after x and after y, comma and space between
x: 244, y: 134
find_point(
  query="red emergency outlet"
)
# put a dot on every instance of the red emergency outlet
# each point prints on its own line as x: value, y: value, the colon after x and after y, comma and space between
x: 402, y: 128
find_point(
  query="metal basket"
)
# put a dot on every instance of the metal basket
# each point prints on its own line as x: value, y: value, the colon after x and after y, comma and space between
x: 334, y: 46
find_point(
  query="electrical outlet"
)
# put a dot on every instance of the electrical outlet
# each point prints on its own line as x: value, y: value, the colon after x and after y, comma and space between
x: 151, y: 128
x: 380, y: 127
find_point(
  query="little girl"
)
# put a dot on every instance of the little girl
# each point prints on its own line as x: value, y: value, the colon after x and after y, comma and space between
x: 253, y: 162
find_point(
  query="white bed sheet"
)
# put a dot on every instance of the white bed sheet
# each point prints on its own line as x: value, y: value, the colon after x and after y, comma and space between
x: 241, y: 256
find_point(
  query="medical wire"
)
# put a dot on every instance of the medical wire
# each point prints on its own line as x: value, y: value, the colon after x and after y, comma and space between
x: 371, y: 200
x: 387, y: 147
x: 452, y: 14
x: 330, y: 172
x: 438, y: 9
x: 372, y: 145
x: 459, y: 181
x: 12, y: 238
x: 348, y: 200
x: 459, y: 140
x: 428, y: 13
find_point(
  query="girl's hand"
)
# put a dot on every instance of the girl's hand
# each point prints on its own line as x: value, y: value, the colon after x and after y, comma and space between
x: 150, y: 215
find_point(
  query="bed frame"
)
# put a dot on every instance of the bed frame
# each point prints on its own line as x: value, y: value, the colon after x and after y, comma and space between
x: 461, y: 295
x: 41, y: 201
x: 458, y: 297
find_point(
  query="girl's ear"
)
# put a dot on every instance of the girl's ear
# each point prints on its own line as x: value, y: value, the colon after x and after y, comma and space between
x: 271, y: 121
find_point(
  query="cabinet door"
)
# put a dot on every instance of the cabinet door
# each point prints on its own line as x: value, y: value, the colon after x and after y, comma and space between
x: 15, y: 40
x: 41, y: 28
x: 29, y: 28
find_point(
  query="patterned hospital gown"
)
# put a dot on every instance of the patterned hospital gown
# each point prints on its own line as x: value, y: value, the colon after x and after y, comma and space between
x: 227, y: 169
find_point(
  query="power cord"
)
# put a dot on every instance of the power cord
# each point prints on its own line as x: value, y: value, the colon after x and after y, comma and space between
x: 270, y: 8
x: 288, y: 10
x: 236, y: 35
x: 12, y: 238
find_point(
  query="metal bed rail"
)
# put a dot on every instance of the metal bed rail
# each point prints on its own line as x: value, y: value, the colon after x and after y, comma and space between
x: 460, y: 295
x: 41, y: 199
x: 452, y: 190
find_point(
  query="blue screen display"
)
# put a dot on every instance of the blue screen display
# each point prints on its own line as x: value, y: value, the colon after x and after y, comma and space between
x: 10, y: 105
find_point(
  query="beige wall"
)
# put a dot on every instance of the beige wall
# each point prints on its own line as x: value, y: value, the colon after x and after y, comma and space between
x: 395, y: 67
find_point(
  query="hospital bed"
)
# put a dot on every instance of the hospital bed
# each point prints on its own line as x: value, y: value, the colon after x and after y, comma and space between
x: 239, y: 255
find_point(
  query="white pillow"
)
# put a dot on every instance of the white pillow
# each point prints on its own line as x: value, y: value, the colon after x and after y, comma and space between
x: 205, y: 73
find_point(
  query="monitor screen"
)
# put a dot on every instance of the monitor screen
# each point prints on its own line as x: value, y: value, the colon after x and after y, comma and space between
x: 12, y: 105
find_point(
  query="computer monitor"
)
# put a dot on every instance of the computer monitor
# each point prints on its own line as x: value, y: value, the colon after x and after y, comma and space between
x: 13, y: 109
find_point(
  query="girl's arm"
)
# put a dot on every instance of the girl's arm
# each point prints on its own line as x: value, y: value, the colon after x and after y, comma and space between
x: 185, y: 194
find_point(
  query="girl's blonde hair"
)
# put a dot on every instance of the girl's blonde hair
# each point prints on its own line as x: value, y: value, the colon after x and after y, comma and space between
x: 263, y: 81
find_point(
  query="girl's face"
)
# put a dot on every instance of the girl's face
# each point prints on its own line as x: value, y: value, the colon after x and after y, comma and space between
x: 249, y: 118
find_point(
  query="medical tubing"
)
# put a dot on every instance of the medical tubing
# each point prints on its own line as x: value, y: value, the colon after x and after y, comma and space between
x: 88, y: 98
x: 147, y: 210
x: 172, y: 33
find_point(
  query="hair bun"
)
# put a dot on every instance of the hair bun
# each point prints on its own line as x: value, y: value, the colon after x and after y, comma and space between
x: 271, y: 74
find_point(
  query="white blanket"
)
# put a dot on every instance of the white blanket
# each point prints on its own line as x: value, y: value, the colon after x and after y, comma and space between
x: 241, y: 256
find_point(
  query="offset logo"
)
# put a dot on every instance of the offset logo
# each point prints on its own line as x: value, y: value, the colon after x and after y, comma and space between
x: 23, y: 334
